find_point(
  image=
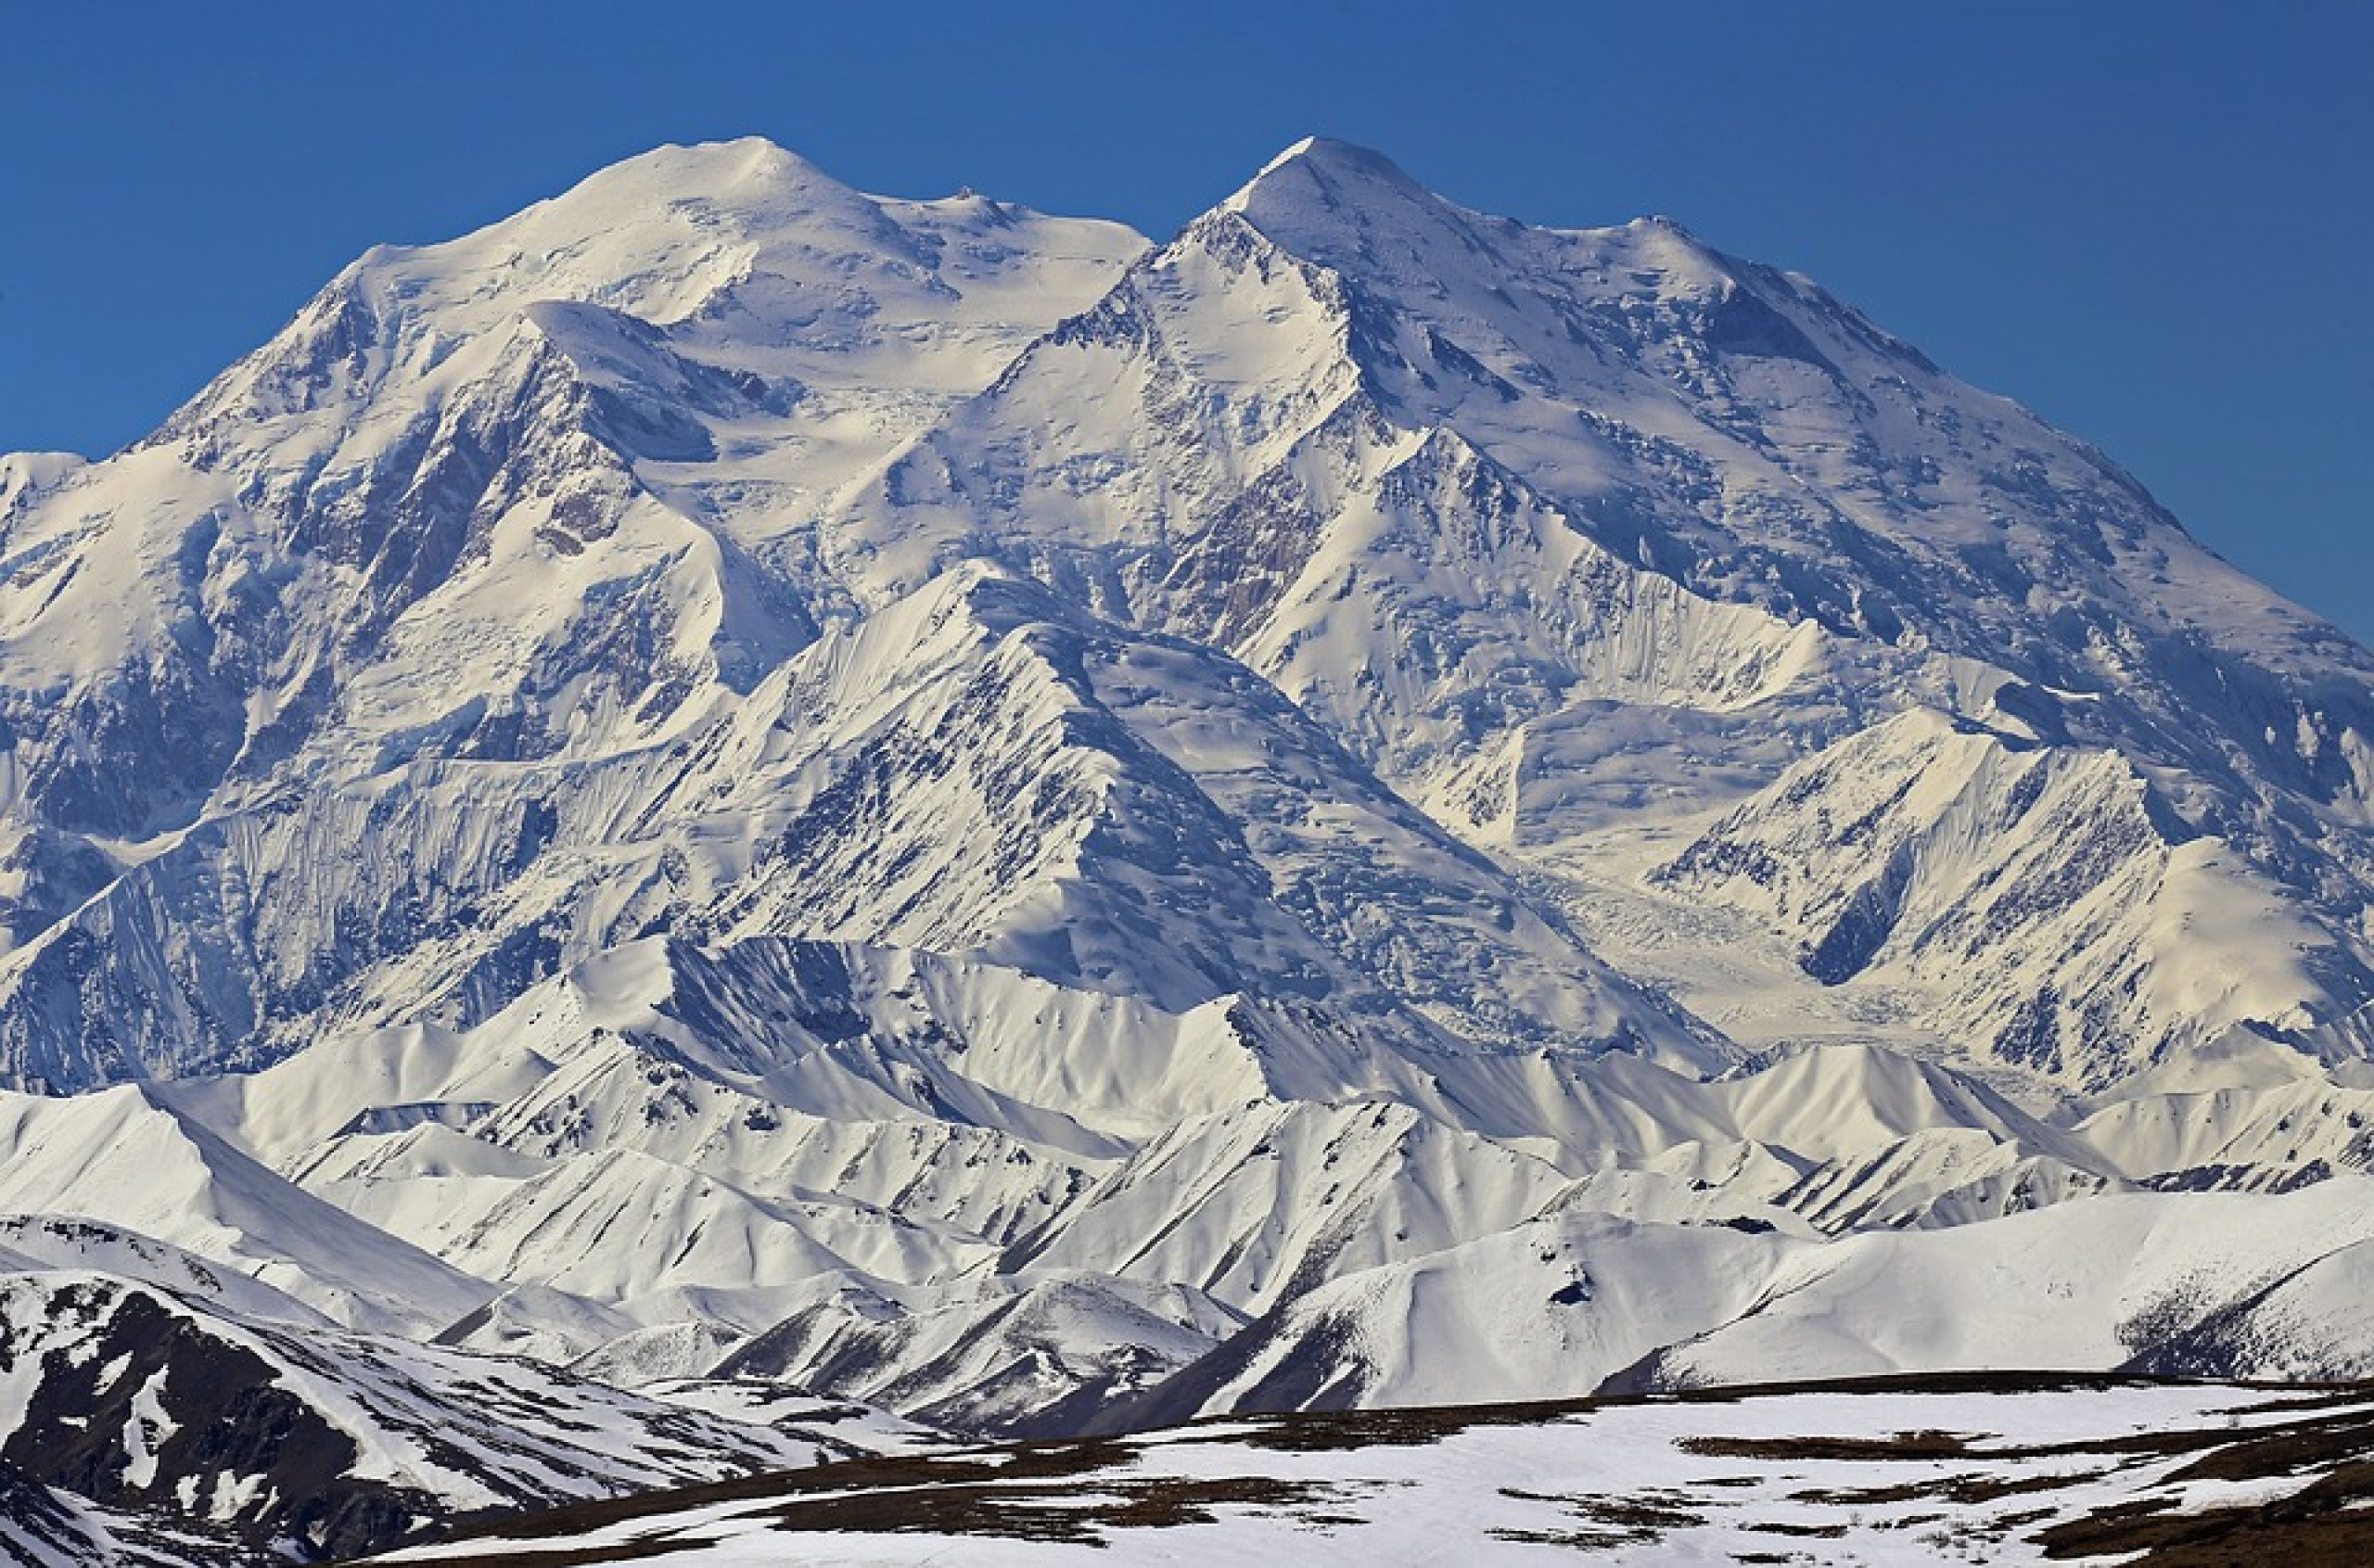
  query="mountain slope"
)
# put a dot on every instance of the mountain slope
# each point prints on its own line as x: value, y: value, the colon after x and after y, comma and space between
x: 417, y: 525
x: 321, y: 1444
x: 2222, y: 1285
x: 119, y: 1158
x: 1497, y: 502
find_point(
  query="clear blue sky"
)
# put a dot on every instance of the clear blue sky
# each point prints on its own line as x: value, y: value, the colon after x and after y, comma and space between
x: 2149, y: 220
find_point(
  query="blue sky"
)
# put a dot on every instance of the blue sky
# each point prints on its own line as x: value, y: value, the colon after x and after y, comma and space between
x: 2150, y: 222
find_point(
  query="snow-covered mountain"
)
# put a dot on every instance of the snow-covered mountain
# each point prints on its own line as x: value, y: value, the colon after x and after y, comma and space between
x: 766, y: 799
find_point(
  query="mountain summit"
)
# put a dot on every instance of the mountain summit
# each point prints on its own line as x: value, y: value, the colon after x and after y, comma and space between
x: 1318, y: 179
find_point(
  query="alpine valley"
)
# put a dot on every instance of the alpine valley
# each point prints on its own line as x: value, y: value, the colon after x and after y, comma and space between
x: 732, y: 825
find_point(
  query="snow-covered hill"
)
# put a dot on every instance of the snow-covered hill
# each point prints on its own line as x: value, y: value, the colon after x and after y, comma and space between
x: 322, y: 1444
x: 2225, y: 1286
x: 1997, y: 1471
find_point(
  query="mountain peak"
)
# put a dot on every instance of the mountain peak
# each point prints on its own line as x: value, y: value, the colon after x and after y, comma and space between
x: 750, y: 183
x: 743, y: 161
x: 1346, y: 207
x: 1322, y: 173
x: 1327, y: 157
